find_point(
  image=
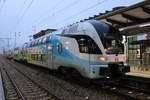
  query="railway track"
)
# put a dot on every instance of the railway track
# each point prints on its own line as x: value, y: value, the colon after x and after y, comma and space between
x: 123, y: 92
x: 11, y: 89
x: 130, y: 93
x: 137, y: 83
x: 72, y: 92
x: 18, y: 86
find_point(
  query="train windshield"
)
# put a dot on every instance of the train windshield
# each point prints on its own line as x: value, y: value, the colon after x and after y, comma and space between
x: 110, y: 37
x: 113, y: 46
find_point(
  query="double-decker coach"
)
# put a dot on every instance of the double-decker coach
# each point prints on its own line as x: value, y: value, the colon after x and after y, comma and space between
x: 92, y: 48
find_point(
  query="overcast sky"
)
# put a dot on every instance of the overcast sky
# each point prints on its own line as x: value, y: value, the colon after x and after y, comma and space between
x: 27, y: 17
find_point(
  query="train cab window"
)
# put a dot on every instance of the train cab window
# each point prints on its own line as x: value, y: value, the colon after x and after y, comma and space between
x: 87, y: 44
x: 32, y: 44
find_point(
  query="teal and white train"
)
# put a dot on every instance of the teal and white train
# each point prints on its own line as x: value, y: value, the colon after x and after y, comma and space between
x: 92, y: 48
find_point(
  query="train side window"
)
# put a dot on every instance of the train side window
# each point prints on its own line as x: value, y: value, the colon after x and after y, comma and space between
x: 39, y: 41
x: 31, y: 44
x: 44, y: 40
x: 48, y: 38
x: 59, y: 47
x: 36, y: 42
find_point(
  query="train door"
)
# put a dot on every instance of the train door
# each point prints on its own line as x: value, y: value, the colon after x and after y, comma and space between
x: 50, y: 56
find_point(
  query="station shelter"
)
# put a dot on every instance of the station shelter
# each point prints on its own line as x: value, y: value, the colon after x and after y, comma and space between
x: 134, y: 23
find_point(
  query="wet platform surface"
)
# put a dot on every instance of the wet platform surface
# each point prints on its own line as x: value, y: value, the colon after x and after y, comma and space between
x: 143, y: 74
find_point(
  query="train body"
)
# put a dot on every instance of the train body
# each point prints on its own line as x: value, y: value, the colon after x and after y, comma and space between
x: 92, y: 48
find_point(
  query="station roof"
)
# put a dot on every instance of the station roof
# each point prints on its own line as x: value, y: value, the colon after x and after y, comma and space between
x: 128, y: 16
x: 135, y: 14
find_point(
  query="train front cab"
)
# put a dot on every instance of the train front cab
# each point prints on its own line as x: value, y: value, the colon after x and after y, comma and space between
x: 101, y: 64
x: 108, y: 64
x: 108, y: 58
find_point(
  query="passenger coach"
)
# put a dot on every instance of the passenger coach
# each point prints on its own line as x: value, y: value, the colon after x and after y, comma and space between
x: 92, y: 48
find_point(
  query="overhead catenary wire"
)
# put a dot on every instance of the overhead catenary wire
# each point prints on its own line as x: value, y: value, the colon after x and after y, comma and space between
x: 23, y: 14
x: 84, y: 10
x: 81, y: 12
x: 19, y: 13
x: 59, y: 11
x: 22, y: 6
x: 49, y: 11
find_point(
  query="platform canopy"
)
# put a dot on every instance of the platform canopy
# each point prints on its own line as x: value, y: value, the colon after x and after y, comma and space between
x: 130, y: 20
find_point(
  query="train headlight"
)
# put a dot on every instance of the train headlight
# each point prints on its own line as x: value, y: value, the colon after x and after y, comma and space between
x: 50, y: 47
x: 102, y: 59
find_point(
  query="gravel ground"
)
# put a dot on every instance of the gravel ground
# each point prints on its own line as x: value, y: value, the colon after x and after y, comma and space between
x: 64, y: 88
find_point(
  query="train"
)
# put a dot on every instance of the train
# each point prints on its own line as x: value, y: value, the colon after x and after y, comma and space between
x: 93, y: 49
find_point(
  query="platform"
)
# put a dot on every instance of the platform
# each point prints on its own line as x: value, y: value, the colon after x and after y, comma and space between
x: 2, y: 96
x: 139, y: 72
